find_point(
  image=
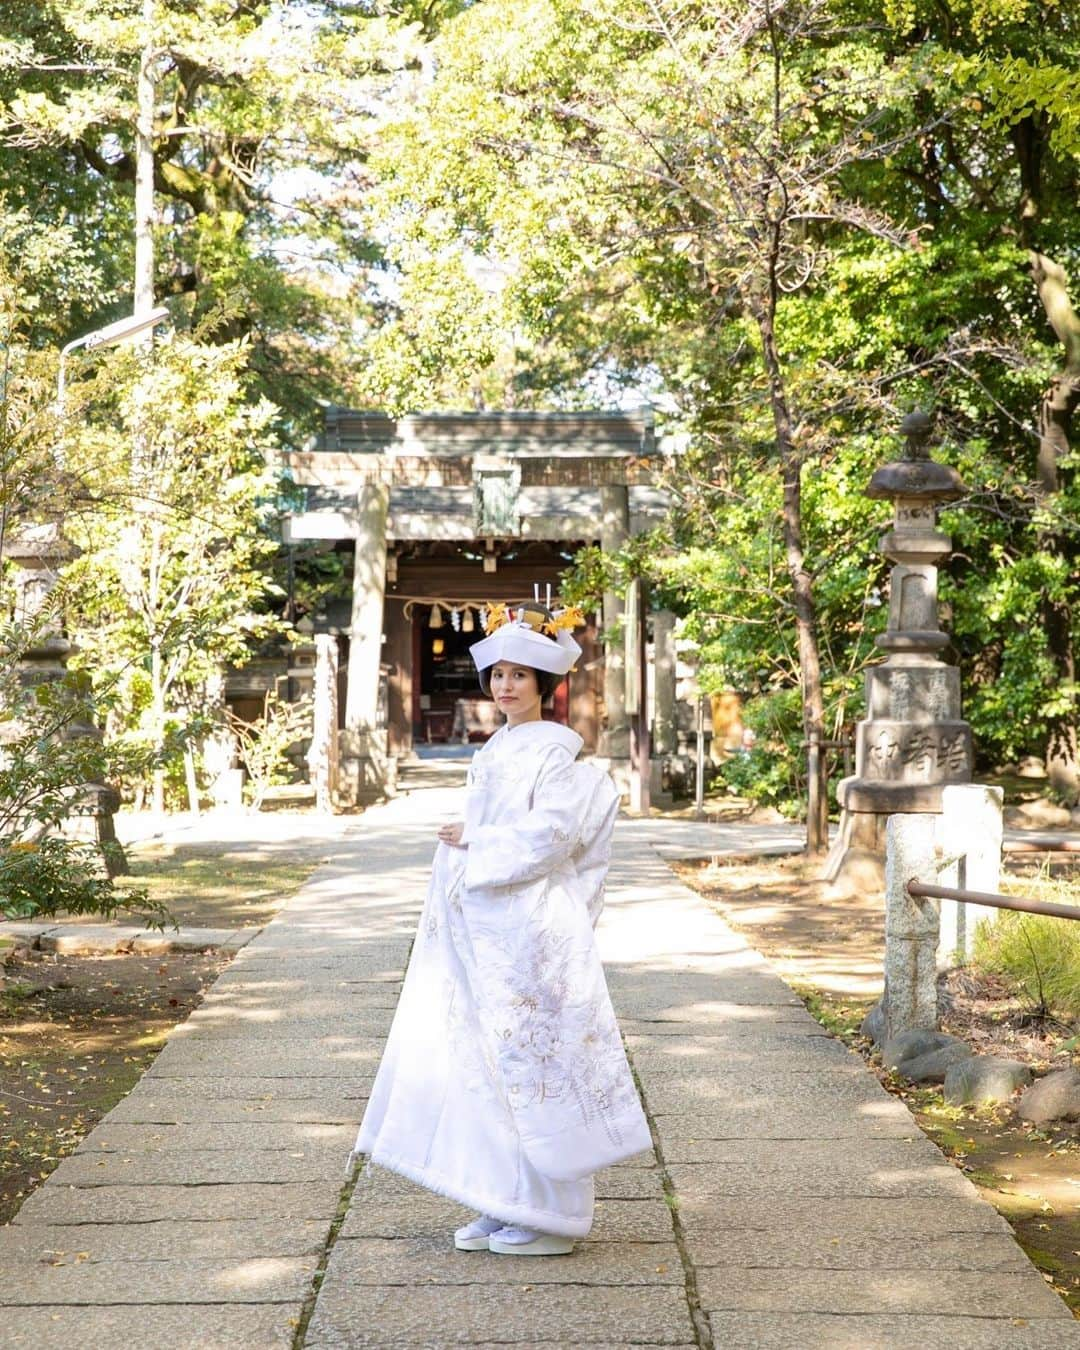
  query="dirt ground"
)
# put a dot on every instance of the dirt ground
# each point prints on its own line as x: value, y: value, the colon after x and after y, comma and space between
x: 831, y: 952
x: 76, y: 1033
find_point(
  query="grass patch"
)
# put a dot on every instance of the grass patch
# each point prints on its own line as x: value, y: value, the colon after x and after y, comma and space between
x: 1038, y: 954
x: 220, y: 887
x: 840, y: 1017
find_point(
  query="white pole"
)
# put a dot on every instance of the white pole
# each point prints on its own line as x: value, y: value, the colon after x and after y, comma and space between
x: 144, y: 169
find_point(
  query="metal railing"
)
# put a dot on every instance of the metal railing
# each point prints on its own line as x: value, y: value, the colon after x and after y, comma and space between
x: 919, y: 890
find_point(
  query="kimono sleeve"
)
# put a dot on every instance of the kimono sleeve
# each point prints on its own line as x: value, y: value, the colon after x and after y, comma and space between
x: 537, y: 841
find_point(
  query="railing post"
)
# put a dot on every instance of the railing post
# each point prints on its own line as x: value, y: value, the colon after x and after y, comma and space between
x: 911, y: 926
x: 969, y: 834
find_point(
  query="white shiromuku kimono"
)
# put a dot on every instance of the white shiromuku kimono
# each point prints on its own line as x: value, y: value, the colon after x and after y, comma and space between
x: 504, y: 1084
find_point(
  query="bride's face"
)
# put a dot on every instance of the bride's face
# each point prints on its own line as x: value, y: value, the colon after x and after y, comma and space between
x: 515, y: 691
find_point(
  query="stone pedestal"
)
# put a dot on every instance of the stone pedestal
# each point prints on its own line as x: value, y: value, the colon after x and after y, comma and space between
x: 913, y: 741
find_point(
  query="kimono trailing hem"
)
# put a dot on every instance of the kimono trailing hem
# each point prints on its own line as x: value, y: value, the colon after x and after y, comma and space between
x: 494, y: 1207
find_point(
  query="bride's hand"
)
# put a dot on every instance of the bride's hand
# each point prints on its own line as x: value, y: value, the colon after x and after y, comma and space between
x: 451, y: 834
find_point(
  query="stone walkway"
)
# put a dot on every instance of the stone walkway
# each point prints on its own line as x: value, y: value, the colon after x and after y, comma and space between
x: 790, y: 1202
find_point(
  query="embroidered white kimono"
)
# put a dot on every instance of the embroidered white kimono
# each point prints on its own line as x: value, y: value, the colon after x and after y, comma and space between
x: 504, y: 1083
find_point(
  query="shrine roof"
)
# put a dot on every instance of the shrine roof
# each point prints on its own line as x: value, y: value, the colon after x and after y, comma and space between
x: 551, y: 513
x: 503, y: 433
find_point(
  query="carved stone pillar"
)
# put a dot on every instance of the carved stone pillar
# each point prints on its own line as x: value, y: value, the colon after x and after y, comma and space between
x: 913, y: 740
x: 36, y: 553
x: 322, y: 754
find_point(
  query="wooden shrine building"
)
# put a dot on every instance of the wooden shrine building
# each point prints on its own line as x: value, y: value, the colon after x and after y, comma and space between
x: 443, y: 512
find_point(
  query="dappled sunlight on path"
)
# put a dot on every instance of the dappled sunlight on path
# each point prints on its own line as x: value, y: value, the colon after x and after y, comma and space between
x: 785, y: 1179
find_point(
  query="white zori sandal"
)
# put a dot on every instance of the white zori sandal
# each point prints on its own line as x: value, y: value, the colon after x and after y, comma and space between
x: 524, y: 1242
x: 474, y: 1236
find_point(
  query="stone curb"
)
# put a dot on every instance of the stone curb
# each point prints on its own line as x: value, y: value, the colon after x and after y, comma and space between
x: 104, y: 940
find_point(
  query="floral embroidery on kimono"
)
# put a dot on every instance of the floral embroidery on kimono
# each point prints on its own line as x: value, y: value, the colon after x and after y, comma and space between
x: 504, y: 1083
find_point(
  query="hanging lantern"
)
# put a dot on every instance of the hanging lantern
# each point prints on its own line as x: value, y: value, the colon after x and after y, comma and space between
x: 436, y: 620
x: 438, y: 646
x: 467, y: 625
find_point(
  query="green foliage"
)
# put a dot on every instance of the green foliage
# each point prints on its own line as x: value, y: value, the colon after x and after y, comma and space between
x: 51, y: 760
x: 171, y: 583
x: 264, y: 115
x: 1039, y: 954
x: 51, y: 876
x: 771, y: 773
x: 265, y: 742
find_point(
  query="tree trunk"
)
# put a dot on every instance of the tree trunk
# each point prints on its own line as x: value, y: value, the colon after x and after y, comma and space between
x: 1055, y: 425
x: 813, y: 704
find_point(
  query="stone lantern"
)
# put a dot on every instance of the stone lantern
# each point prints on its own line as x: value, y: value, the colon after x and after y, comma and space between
x: 913, y: 741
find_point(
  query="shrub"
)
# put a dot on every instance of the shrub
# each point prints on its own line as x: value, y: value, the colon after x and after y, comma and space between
x: 55, y: 875
x: 49, y: 755
x: 1039, y: 954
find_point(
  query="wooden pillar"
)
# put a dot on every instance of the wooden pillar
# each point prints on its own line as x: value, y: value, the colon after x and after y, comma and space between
x: 664, y: 733
x: 398, y: 655
x: 614, y: 531
x: 585, y: 689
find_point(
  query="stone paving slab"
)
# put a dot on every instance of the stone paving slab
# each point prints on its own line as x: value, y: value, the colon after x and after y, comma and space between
x: 189, y: 1109
x: 159, y: 1240
x: 1000, y: 1294
x: 422, y: 1214
x: 747, y: 1019
x: 315, y: 1033
x: 204, y: 1060
x: 735, y: 1060
x: 59, y: 1204
x: 801, y: 1248
x: 209, y: 1168
x: 789, y: 1117
x: 298, y: 1012
x: 630, y: 1183
x: 194, y: 940
x: 243, y: 1087
x: 177, y: 1327
x: 760, y: 1089
x: 248, y: 1279
x: 465, y: 1314
x: 431, y: 1260
x: 818, y: 1331
x: 255, y: 1135
x: 871, y: 1219
x: 797, y: 1179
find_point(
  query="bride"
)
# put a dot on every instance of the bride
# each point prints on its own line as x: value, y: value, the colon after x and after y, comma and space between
x: 504, y: 1084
